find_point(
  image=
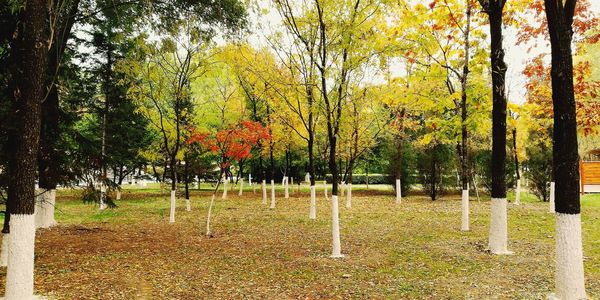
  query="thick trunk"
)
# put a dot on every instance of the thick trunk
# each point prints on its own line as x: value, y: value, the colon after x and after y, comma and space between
x: 570, y: 283
x: 28, y: 87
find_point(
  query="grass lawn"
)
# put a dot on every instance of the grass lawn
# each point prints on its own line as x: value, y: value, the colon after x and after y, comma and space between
x: 412, y: 250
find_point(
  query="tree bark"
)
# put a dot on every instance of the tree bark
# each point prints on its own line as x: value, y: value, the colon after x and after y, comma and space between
x: 29, y: 58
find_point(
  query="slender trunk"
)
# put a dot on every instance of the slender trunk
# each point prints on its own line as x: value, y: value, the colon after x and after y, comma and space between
x: 434, y: 172
x: 516, y: 156
x: 463, y: 105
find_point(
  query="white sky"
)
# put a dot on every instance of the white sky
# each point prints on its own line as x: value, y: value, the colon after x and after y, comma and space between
x: 516, y: 56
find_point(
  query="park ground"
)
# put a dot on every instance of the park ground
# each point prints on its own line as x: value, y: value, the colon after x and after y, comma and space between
x: 414, y: 250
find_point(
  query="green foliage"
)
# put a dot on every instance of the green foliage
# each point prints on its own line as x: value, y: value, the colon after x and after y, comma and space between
x: 436, y: 165
x: 538, y: 166
x: 481, y: 160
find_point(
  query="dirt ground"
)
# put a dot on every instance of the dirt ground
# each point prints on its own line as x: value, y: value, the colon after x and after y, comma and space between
x: 411, y: 251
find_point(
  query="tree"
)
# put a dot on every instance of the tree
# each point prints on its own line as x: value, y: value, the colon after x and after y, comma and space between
x: 569, y: 254
x: 29, y: 64
x: 498, y: 239
x: 231, y: 144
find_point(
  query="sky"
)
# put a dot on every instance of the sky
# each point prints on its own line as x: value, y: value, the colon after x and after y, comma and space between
x: 516, y: 56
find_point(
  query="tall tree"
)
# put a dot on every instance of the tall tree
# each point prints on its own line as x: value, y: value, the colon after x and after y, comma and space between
x: 570, y: 282
x: 498, y: 238
x: 29, y: 57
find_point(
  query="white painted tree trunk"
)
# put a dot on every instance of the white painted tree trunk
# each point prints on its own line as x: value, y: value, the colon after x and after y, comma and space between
x: 172, y: 211
x: 4, y: 250
x: 188, y: 205
x: 335, y: 228
x: 21, y: 245
x: 44, y: 209
x: 241, y: 187
x: 286, y: 187
x: 102, y: 205
x: 249, y: 179
x: 264, y: 192
x: 224, y: 196
x: 398, y: 192
x: 325, y: 185
x: 498, y: 241
x: 465, y: 211
x: 349, y: 195
x: 569, y: 276
x: 313, y: 203
x: 342, y: 188
x: 518, y: 193
x: 292, y: 184
x: 272, y: 194
x: 210, y: 206
x: 551, y: 207
x: 118, y: 196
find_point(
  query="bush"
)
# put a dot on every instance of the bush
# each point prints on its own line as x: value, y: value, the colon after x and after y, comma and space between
x: 538, y: 169
x: 442, y: 165
x: 362, y: 178
x: 482, y: 165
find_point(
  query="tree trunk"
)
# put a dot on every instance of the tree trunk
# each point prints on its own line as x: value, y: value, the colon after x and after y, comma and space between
x: 498, y: 237
x: 28, y: 87
x: 569, y: 255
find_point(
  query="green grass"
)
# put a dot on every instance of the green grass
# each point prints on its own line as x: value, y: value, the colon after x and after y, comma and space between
x: 411, y: 251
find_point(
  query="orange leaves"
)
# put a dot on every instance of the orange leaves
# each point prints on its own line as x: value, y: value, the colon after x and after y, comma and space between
x: 233, y: 143
x: 539, y: 93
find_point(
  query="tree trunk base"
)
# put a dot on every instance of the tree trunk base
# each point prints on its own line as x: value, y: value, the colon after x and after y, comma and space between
x: 551, y: 207
x: 569, y: 276
x: 498, y: 240
x: 21, y: 245
x: 313, y: 203
x: 335, y: 228
x: 172, y: 211
x: 44, y: 209
x: 465, y: 211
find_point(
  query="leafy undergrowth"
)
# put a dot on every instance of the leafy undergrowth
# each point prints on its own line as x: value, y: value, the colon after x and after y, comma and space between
x: 412, y: 250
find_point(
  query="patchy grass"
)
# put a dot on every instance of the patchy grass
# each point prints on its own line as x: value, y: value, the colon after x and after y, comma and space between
x: 414, y: 250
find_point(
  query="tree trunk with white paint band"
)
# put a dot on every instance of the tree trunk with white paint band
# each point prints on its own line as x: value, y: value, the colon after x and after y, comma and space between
x: 19, y: 275
x: 342, y: 189
x: 292, y: 183
x: 44, y: 209
x: 313, y: 203
x: 287, y: 192
x: 272, y: 194
x: 172, y: 211
x: 264, y: 192
x: 118, y: 196
x: 335, y: 228
x: 569, y: 276
x: 210, y: 206
x: 398, y: 192
x: 188, y: 205
x: 498, y: 241
x: 102, y: 196
x: 4, y: 250
x: 518, y: 193
x: 325, y: 190
x: 241, y: 187
x: 465, y: 210
x: 349, y: 195
x: 551, y: 205
x: 225, y: 183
